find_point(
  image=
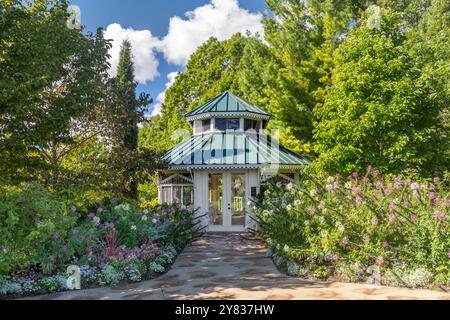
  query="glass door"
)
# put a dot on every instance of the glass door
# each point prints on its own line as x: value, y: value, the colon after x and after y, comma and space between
x: 226, y: 201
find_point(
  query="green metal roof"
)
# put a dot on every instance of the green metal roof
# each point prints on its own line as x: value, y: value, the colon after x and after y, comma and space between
x: 231, y: 150
x: 227, y: 102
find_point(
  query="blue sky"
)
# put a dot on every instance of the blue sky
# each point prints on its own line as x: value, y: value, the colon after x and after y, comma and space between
x: 163, y: 48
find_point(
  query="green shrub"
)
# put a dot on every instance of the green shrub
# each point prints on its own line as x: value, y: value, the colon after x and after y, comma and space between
x: 329, y: 221
x: 28, y: 217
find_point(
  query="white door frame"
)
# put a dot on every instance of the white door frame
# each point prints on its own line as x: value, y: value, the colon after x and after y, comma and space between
x: 226, y: 203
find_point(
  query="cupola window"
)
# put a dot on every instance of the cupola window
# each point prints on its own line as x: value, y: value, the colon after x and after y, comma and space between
x: 224, y: 124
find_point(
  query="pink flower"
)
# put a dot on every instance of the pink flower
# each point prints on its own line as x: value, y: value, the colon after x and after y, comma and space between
x: 311, y: 211
x: 398, y: 183
x: 391, y: 206
x: 355, y: 175
x: 345, y: 240
x: 388, y: 190
x: 406, y: 203
x: 369, y: 169
x: 379, y: 261
x: 439, y: 215
x: 431, y: 195
x: 335, y: 185
x: 356, y: 190
x: 375, y: 221
x: 385, y: 244
x: 335, y: 257
x: 392, y: 218
x: 414, y: 218
x: 375, y: 173
x: 338, y: 175
x: 358, y: 200
x: 321, y: 205
x: 448, y: 254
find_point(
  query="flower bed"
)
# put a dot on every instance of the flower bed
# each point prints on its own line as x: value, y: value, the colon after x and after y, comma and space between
x: 390, y: 229
x: 110, y: 242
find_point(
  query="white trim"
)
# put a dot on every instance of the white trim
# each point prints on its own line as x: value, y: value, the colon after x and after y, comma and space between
x: 248, y: 115
x: 237, y: 167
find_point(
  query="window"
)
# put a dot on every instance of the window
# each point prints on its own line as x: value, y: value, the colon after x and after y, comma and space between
x: 252, y: 125
x: 202, y: 126
x: 177, y: 189
x: 227, y: 124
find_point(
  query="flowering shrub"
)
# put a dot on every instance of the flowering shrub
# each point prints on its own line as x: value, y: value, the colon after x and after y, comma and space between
x: 345, y: 225
x: 109, y: 241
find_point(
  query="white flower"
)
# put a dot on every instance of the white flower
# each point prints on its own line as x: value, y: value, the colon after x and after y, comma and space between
x: 154, y: 220
x: 144, y: 218
x: 321, y: 220
x: 286, y: 248
x: 324, y: 233
x: 313, y: 192
x: 328, y: 187
x: 142, y: 199
x: 340, y: 226
x: 289, y: 186
x: 279, y: 184
x: 145, y: 211
x: 96, y: 220
x: 289, y: 207
x: 298, y: 202
x: 249, y: 203
x: 348, y: 185
x: 306, y: 222
x: 133, y: 227
x: 330, y: 179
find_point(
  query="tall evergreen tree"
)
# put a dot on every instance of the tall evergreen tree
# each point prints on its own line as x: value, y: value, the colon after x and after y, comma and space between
x: 130, y: 112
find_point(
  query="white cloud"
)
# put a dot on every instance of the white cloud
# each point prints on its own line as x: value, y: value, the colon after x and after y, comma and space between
x: 220, y: 18
x: 162, y: 96
x: 143, y: 45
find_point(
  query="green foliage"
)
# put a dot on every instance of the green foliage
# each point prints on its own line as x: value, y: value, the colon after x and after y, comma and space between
x: 350, y: 225
x: 382, y: 108
x: 50, y: 75
x: 28, y: 218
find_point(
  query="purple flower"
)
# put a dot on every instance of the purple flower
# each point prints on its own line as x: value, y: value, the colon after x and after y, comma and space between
x: 74, y: 231
x: 388, y: 190
x: 5, y: 249
x: 379, y: 184
x: 51, y: 258
x: 344, y: 240
x: 56, y: 235
x: 114, y: 201
x: 99, y: 202
x: 74, y: 259
x: 64, y: 248
x: 91, y: 215
x: 182, y: 221
x: 356, y: 190
x: 398, y: 183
